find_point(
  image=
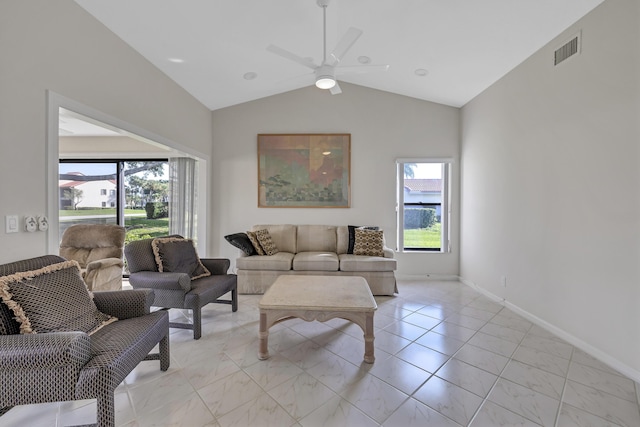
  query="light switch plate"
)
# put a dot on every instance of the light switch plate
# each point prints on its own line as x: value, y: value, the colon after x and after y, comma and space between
x: 12, y: 223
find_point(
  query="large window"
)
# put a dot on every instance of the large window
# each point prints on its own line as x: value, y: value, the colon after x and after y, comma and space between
x: 423, y: 205
x: 133, y: 193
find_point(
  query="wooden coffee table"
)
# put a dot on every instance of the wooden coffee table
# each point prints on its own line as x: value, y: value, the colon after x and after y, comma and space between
x: 318, y: 298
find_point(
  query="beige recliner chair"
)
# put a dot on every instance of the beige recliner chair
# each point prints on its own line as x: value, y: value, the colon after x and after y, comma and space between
x: 98, y: 249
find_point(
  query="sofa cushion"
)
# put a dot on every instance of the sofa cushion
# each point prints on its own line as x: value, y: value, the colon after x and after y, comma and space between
x: 52, y: 299
x: 178, y: 255
x: 266, y: 242
x: 242, y: 242
x: 317, y: 238
x: 342, y: 239
x: 316, y: 261
x: 280, y: 261
x: 349, y: 262
x: 368, y: 242
x: 283, y: 236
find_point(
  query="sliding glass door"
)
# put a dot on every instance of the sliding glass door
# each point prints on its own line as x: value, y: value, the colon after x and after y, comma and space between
x: 146, y: 199
x: 132, y: 193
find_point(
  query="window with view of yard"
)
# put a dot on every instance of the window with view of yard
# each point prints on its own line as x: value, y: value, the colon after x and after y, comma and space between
x: 132, y: 193
x: 422, y: 206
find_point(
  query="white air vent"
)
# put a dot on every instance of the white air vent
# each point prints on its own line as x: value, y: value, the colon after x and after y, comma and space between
x: 567, y: 50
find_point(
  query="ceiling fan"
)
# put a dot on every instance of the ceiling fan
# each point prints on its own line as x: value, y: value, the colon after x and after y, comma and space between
x: 325, y: 73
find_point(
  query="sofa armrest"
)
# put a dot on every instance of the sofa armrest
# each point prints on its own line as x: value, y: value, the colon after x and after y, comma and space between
x: 388, y: 252
x: 157, y: 280
x: 124, y: 304
x: 216, y: 265
x: 44, y: 351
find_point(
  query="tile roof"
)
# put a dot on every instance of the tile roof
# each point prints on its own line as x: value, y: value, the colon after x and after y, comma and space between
x: 423, y: 185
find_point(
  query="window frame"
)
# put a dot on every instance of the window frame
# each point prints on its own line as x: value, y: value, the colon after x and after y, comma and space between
x: 445, y: 205
x: 119, y: 190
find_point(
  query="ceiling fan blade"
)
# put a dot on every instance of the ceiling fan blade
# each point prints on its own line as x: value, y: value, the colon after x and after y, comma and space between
x: 335, y: 90
x: 291, y: 56
x: 360, y: 69
x: 345, y: 43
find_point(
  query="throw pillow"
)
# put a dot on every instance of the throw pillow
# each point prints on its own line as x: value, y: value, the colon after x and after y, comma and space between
x: 178, y: 255
x: 255, y: 242
x: 266, y: 242
x: 242, y: 242
x: 368, y: 242
x: 52, y: 299
x: 352, y: 236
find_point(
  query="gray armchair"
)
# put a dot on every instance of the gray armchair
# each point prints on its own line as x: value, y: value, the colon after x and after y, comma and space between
x: 177, y: 290
x: 63, y: 366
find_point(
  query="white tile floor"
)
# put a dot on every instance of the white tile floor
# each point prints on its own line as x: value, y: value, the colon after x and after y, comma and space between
x: 445, y: 356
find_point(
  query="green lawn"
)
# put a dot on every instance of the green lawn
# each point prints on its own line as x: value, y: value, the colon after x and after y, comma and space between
x: 143, y: 228
x: 98, y: 211
x: 138, y: 226
x: 423, y: 238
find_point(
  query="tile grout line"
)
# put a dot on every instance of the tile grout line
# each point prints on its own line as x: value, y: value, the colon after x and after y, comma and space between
x: 564, y: 388
x: 486, y: 397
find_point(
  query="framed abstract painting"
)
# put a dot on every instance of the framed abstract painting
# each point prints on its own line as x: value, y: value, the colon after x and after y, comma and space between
x: 304, y: 170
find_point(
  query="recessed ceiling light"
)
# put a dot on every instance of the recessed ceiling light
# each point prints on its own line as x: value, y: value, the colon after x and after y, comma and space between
x: 176, y: 60
x: 364, y: 59
x: 326, y: 153
x: 250, y: 75
x: 421, y: 72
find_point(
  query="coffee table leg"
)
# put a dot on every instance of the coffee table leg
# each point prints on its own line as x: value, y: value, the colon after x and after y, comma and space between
x: 263, y: 334
x: 368, y: 339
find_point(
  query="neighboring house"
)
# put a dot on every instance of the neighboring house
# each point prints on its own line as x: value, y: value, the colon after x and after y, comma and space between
x: 95, y: 194
x: 423, y: 190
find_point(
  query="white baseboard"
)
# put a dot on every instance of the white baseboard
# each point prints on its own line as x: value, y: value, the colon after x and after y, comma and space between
x: 576, y: 342
x: 444, y: 277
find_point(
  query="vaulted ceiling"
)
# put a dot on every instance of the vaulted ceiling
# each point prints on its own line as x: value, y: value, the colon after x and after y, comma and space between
x: 217, y: 49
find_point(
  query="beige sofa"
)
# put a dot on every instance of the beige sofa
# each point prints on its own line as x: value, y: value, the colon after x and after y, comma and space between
x: 313, y: 250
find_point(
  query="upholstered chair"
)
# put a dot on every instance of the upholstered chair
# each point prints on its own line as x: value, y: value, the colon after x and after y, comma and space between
x: 98, y: 249
x: 179, y: 286
x: 73, y: 346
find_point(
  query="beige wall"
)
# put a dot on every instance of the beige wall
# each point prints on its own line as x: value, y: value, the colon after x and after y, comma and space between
x: 57, y: 46
x: 383, y: 127
x: 551, y: 187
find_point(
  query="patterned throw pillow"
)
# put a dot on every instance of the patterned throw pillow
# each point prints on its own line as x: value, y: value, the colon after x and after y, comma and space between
x: 242, y: 242
x: 52, y: 299
x: 178, y: 255
x: 255, y: 242
x: 368, y: 242
x: 352, y: 234
x: 266, y: 242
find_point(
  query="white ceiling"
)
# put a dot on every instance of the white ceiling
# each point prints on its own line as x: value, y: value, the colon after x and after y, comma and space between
x: 465, y: 45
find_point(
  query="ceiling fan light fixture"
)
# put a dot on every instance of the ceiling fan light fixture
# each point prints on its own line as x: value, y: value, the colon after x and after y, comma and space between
x: 325, y: 82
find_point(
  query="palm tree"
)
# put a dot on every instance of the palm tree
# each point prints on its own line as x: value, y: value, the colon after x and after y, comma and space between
x: 74, y: 195
x: 408, y: 170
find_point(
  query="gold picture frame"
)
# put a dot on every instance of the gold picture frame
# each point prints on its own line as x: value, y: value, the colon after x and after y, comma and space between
x: 304, y: 170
